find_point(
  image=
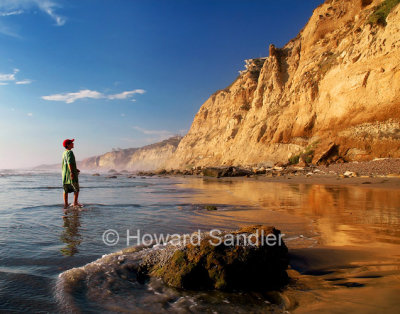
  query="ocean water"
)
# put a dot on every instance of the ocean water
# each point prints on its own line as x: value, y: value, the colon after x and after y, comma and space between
x: 38, y: 241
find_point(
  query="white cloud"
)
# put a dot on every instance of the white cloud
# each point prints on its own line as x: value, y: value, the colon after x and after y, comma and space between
x: 49, y: 7
x: 23, y: 82
x: 71, y: 97
x: 126, y: 94
x: 8, y: 76
x: 16, y: 12
x: 16, y: 7
x: 29, y: 114
x: 87, y: 93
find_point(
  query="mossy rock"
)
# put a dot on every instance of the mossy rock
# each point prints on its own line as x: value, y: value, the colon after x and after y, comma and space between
x: 214, y: 265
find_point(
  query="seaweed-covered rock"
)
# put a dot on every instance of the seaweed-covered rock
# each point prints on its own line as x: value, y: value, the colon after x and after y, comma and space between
x: 190, y: 262
x: 228, y: 261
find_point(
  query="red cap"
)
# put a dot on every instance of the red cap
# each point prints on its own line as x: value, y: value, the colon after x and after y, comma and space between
x: 67, y: 142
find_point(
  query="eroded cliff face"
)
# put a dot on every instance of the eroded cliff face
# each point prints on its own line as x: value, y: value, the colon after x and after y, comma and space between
x: 149, y: 157
x: 337, y: 81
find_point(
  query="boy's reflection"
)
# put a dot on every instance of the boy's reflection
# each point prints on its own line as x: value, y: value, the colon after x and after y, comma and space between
x: 70, y: 235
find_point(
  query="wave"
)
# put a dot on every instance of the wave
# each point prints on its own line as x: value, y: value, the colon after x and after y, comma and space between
x: 97, y: 280
x: 112, y: 284
x: 24, y: 292
x: 23, y: 172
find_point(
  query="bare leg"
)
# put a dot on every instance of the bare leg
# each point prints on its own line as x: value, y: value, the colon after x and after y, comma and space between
x: 65, y: 200
x: 76, y: 194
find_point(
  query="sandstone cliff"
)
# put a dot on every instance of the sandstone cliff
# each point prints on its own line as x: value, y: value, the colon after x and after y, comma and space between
x: 337, y: 82
x: 149, y: 157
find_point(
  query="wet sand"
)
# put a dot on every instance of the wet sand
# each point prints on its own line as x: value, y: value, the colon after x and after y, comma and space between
x: 344, y: 279
x: 346, y: 255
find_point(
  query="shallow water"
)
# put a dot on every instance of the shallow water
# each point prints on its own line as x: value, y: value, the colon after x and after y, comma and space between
x: 328, y: 230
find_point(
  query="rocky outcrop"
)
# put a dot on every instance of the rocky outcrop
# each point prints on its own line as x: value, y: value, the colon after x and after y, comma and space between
x: 251, y: 259
x: 337, y: 82
x: 227, y: 261
x: 149, y: 157
x: 219, y: 172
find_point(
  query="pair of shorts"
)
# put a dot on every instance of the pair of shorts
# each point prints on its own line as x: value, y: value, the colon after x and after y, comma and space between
x: 73, y: 187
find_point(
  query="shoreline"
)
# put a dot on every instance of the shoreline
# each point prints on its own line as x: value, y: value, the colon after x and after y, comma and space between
x: 385, y: 182
x: 383, y: 172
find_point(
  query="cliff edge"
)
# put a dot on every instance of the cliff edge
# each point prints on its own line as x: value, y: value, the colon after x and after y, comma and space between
x: 336, y: 86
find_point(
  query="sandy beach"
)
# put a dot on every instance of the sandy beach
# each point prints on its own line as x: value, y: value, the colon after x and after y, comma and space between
x: 348, y: 255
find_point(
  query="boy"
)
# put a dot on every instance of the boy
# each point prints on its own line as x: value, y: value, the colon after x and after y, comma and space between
x: 70, y: 174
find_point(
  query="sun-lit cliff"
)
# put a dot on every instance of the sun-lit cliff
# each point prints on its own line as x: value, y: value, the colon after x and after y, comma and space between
x: 337, y: 81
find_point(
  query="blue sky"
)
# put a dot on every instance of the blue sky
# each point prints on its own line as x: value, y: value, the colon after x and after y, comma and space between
x: 122, y: 73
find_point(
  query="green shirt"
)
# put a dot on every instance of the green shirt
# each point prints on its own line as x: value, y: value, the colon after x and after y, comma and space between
x: 68, y: 159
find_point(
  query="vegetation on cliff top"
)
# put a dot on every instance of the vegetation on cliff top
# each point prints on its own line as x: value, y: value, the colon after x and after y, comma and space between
x: 382, y: 11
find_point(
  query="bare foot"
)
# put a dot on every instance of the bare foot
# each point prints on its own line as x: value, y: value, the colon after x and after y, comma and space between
x: 66, y: 206
x: 78, y: 205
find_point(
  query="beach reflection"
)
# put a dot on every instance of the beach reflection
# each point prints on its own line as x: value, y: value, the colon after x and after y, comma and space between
x: 340, y: 214
x: 70, y: 235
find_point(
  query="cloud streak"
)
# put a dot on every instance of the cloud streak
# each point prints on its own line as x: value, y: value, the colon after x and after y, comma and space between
x: 126, y: 94
x: 49, y: 7
x: 153, y: 132
x: 9, y: 76
x: 23, y: 82
x: 9, y: 8
x: 6, y: 78
x: 16, y: 12
x: 91, y: 94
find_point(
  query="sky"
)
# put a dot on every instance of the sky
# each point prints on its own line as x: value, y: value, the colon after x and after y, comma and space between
x: 123, y: 73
